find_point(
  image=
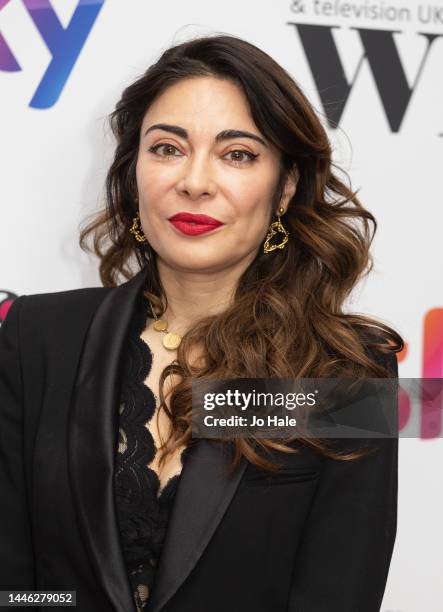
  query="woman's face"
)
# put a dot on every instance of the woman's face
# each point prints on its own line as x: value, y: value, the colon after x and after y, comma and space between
x: 192, y: 167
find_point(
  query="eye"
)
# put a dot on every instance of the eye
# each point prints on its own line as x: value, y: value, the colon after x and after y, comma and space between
x: 251, y: 157
x: 167, y: 146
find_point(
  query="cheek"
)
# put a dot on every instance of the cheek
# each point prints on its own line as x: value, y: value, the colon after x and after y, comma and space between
x: 139, y: 171
x: 252, y: 205
x: 255, y: 192
x: 152, y: 185
x: 148, y: 172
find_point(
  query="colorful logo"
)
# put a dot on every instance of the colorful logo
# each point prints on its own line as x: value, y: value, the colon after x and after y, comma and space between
x: 431, y: 400
x: 6, y: 299
x: 64, y: 44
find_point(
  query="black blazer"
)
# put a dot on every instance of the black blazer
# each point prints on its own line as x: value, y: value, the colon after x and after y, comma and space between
x: 316, y: 538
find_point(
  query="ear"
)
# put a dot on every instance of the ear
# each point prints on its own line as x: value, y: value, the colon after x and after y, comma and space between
x: 290, y: 187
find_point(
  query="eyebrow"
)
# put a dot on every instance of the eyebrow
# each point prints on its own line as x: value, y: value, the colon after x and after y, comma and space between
x: 224, y: 135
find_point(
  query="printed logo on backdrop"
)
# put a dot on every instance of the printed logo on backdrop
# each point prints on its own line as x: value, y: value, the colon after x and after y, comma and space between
x: 6, y: 299
x: 64, y: 44
x: 379, y: 51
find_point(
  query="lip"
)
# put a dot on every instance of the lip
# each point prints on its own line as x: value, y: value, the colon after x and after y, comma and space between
x: 192, y: 218
x: 194, y: 224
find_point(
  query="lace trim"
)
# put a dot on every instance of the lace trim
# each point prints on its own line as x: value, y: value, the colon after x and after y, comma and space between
x: 142, y: 511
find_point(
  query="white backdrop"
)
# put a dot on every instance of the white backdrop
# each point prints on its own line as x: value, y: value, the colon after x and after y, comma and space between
x: 55, y: 150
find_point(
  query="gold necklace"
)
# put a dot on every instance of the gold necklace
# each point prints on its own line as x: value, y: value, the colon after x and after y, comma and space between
x: 171, y: 340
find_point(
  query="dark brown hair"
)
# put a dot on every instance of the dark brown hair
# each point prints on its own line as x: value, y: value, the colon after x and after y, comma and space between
x: 287, y: 316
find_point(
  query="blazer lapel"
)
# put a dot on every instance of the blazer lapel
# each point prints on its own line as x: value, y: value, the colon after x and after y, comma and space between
x: 202, y: 497
x: 93, y: 435
x: 204, y: 491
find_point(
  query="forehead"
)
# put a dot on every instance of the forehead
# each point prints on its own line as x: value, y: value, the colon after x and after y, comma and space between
x: 201, y: 105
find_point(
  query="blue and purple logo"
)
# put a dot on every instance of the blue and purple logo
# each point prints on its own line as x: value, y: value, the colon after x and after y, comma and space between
x: 64, y: 44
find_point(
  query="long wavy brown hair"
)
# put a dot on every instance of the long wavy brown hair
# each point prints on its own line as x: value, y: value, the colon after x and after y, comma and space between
x: 287, y: 315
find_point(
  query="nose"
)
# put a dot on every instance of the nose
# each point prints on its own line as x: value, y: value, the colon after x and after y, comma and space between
x: 197, y: 176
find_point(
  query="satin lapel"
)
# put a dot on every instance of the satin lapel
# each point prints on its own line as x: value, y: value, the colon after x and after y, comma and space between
x: 93, y: 435
x: 203, y: 495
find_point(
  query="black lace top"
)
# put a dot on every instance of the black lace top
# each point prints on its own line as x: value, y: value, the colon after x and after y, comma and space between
x: 142, y: 512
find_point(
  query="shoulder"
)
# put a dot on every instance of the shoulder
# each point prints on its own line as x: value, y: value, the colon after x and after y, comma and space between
x: 387, y: 359
x: 381, y: 348
x: 49, y: 311
x: 65, y: 299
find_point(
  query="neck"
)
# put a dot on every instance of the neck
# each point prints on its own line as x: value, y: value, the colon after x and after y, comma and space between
x: 196, y: 294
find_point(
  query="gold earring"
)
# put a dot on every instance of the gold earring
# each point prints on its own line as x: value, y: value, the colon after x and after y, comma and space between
x: 274, y: 228
x: 140, y: 237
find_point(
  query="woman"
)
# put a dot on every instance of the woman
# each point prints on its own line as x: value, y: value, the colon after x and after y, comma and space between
x: 245, y: 245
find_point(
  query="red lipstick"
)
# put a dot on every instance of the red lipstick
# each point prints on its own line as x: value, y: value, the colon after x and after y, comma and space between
x: 192, y: 225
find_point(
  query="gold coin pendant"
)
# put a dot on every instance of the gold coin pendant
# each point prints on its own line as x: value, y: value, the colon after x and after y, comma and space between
x: 171, y: 340
x: 160, y: 325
